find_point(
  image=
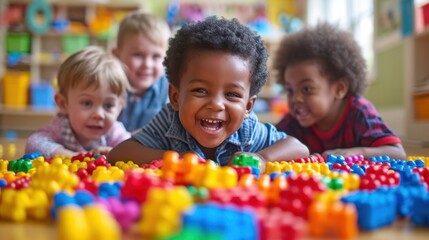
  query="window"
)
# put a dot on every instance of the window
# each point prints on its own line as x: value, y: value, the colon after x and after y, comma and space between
x: 355, y: 16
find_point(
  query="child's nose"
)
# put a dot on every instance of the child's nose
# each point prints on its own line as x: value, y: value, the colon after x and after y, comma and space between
x: 98, y: 113
x: 217, y: 103
x: 147, y: 62
x: 297, y: 98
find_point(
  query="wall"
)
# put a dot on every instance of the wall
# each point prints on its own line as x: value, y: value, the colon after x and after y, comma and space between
x: 158, y: 7
x: 387, y: 90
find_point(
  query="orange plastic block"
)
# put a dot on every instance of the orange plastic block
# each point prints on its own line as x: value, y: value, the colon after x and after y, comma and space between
x: 336, y: 218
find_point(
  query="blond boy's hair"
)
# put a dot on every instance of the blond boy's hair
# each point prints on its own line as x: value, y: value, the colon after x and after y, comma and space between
x: 150, y: 26
x: 91, y: 67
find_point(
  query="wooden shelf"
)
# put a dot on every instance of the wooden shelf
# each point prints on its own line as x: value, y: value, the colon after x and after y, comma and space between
x: 48, y: 50
x: 109, y: 3
x: 421, y: 89
x: 25, y: 118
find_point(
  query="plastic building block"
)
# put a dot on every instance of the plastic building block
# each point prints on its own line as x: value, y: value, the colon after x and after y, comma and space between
x: 245, y: 160
x: 20, y: 165
x: 241, y: 197
x: 101, y: 223
x: 19, y: 205
x: 53, y: 178
x: 126, y: 213
x: 405, y: 196
x: 225, y: 222
x: 377, y: 176
x: 332, y: 219
x: 108, y: 189
x: 375, y: 209
x: 277, y: 224
x: 72, y: 224
x: 162, y: 210
x: 420, y: 212
x: 296, y: 201
x: 137, y: 184
x: 3, y: 183
x: 199, y: 194
x: 80, y: 213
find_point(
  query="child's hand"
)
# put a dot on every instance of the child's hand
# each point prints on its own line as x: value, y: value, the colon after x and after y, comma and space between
x: 344, y: 152
x: 103, y: 150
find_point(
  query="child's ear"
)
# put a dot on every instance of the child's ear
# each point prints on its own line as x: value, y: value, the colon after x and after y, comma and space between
x: 173, y: 94
x: 341, y: 89
x: 115, y: 52
x: 250, y: 105
x: 61, y: 102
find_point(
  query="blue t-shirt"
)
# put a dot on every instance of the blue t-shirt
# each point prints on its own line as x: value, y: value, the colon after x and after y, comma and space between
x: 140, y: 110
x: 165, y: 132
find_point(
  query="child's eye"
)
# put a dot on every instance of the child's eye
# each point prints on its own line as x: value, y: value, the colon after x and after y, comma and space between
x: 307, y: 89
x: 157, y: 56
x: 200, y: 91
x: 109, y: 106
x: 233, y: 94
x: 86, y: 103
x: 136, y: 55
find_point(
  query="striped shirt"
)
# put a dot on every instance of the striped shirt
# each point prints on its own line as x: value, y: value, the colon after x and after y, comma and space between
x: 165, y: 132
x: 359, y: 126
x: 138, y: 111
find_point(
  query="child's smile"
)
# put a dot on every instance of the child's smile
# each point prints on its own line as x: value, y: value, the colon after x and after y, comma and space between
x: 211, y: 125
x: 213, y: 97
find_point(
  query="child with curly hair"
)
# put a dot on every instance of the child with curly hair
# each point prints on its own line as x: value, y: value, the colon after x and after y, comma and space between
x: 215, y: 68
x: 91, y: 93
x: 324, y: 76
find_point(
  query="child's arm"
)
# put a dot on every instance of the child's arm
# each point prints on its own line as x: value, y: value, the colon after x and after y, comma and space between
x: 285, y: 149
x: 45, y: 142
x: 133, y: 150
x: 395, y: 151
x: 63, y: 152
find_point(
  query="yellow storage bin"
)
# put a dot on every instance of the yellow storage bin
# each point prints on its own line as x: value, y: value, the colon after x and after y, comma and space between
x: 421, y: 104
x: 15, y: 88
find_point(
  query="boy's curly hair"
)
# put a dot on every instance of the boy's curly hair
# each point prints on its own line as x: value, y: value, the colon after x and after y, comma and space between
x: 218, y: 34
x: 335, y: 50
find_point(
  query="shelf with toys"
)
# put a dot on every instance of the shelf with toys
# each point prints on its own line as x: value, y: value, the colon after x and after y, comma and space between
x: 37, y: 36
x: 417, y: 76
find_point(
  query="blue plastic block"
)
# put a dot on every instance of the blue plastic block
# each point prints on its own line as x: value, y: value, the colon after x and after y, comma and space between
x: 405, y: 196
x: 228, y: 222
x: 420, y: 211
x: 375, y: 209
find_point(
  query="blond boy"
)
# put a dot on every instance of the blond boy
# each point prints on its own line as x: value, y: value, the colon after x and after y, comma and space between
x: 91, y: 93
x: 141, y: 45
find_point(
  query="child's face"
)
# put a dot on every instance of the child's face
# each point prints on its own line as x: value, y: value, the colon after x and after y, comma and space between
x: 91, y: 111
x: 312, y: 98
x: 143, y: 59
x: 213, y: 97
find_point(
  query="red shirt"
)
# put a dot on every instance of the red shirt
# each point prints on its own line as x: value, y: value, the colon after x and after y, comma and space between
x: 359, y: 126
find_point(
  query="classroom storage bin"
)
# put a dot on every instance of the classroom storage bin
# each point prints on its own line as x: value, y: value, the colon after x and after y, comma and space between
x: 18, y: 42
x: 421, y: 105
x: 74, y: 42
x: 42, y: 95
x: 15, y: 88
